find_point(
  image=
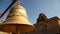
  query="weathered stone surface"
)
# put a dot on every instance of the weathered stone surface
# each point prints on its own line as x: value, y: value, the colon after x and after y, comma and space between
x: 46, y: 26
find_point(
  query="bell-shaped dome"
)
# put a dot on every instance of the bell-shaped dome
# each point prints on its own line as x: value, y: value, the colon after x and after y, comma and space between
x: 17, y: 19
x: 18, y: 14
x: 18, y: 10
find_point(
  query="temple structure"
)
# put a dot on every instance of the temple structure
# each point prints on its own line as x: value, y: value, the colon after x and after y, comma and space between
x: 45, y: 25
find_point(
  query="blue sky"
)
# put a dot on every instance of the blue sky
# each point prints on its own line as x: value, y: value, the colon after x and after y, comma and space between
x: 34, y: 7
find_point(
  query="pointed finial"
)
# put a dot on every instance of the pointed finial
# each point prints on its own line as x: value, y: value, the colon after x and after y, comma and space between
x: 18, y: 3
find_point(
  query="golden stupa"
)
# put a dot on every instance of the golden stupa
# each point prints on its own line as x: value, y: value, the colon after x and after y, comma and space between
x: 17, y: 21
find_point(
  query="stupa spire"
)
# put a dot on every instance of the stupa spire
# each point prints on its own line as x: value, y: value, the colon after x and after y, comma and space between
x: 18, y: 2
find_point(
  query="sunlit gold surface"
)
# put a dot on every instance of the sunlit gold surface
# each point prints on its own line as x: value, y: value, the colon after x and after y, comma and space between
x: 17, y: 20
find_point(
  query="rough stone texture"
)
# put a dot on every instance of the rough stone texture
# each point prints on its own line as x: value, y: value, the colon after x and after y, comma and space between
x: 46, y: 26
